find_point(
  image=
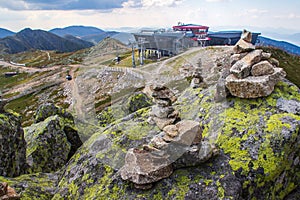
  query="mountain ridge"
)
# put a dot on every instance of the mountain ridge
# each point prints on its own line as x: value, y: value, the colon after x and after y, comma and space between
x: 5, y: 32
x: 76, y: 30
x: 283, y: 45
x: 28, y: 39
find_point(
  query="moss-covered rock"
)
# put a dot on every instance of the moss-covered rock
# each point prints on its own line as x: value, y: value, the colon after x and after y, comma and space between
x: 91, y: 170
x: 50, y: 144
x: 258, y: 159
x: 258, y: 141
x: 39, y: 186
x: 48, y: 109
x: 126, y: 106
x: 259, y: 136
x: 12, y: 146
x: 137, y: 101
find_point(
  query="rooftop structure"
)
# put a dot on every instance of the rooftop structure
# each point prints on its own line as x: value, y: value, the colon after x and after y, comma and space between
x: 167, y: 43
x: 194, y: 28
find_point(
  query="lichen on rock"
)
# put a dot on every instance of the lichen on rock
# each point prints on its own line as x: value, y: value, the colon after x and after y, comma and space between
x: 245, y: 149
x: 12, y: 146
x: 52, y: 142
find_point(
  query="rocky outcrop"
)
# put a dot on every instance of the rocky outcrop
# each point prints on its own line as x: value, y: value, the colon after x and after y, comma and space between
x: 258, y: 153
x: 128, y: 105
x: 52, y: 142
x: 252, y: 73
x: 8, y: 193
x: 12, y: 146
x: 136, y: 101
x: 48, y: 109
x: 258, y: 157
x: 39, y: 186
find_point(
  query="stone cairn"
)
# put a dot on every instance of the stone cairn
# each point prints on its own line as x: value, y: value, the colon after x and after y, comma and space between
x: 8, y: 193
x: 178, y: 145
x: 253, y: 73
x: 193, y: 72
x: 163, y: 113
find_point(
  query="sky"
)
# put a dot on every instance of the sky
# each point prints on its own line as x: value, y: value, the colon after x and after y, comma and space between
x: 258, y: 15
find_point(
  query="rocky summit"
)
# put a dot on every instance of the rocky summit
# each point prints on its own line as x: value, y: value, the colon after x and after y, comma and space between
x: 253, y: 72
x: 224, y: 125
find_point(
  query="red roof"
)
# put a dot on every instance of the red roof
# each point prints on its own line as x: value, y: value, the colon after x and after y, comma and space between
x: 190, y: 27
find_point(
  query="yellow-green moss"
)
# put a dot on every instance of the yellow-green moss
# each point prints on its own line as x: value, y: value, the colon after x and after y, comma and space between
x: 221, y: 191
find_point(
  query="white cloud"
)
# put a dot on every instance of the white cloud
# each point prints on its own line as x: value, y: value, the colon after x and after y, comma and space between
x: 217, y: 0
x: 130, y: 4
x: 160, y: 3
x: 14, y: 5
x: 252, y: 13
x: 257, y: 11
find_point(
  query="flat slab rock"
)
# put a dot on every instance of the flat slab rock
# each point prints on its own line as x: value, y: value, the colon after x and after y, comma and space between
x: 254, y: 86
x: 148, y: 166
x: 144, y: 167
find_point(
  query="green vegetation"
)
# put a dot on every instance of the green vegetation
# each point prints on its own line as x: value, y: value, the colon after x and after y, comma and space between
x: 290, y: 63
x: 40, y: 58
x: 7, y: 82
x: 23, y: 105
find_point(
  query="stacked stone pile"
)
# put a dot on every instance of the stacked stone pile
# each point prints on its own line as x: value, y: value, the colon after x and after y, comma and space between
x: 193, y: 72
x: 178, y: 145
x: 163, y: 113
x: 253, y: 73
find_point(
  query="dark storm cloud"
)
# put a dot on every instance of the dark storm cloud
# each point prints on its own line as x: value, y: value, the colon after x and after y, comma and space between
x: 61, y: 4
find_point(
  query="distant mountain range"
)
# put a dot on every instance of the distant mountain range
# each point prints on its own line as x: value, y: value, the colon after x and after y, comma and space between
x: 286, y: 46
x: 74, y: 38
x: 88, y: 33
x: 28, y: 39
x: 77, y: 31
x: 5, y: 33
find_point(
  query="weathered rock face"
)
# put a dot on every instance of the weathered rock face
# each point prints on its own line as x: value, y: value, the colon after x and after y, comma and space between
x: 262, y: 68
x: 254, y: 86
x: 51, y: 143
x: 33, y: 186
x: 258, y: 156
x: 137, y: 101
x: 47, y: 110
x: 252, y: 75
x: 144, y: 167
x: 128, y: 105
x: 12, y: 146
